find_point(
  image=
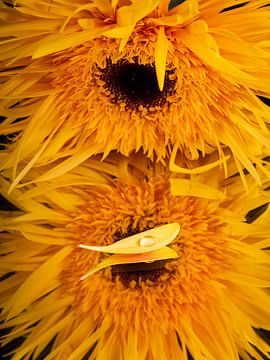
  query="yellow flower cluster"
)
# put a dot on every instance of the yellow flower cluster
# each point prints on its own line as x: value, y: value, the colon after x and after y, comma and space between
x: 121, y: 121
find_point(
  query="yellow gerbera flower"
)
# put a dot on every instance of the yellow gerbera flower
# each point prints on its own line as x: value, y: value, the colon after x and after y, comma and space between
x: 94, y: 76
x: 208, y: 302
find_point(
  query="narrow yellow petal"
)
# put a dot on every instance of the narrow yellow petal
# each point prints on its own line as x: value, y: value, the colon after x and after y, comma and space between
x: 30, y: 164
x: 250, y: 251
x: 47, y: 334
x: 44, y: 278
x: 131, y: 14
x: 85, y: 345
x: 188, y: 9
x: 69, y: 164
x: 198, y: 169
x: 43, y: 235
x: 77, y: 10
x: 173, y: 20
x: 228, y: 138
x: 246, y: 280
x: 89, y: 24
x: 161, y: 51
x: 67, y: 41
x: 154, y: 239
x: 120, y: 32
x: 196, y: 43
x: 29, y: 27
x: 183, y: 187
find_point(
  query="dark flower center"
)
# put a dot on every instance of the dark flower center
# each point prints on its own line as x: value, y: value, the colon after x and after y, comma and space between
x: 135, y: 84
x: 138, y: 271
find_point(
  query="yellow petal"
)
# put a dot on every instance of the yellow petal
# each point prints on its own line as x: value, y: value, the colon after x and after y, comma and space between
x: 123, y: 43
x: 44, y: 280
x: 183, y: 187
x: 42, y: 235
x: 89, y: 24
x: 30, y: 164
x: 67, y: 41
x: 77, y: 10
x: 179, y: 15
x: 47, y: 334
x: 131, y: 14
x: 239, y: 152
x: 105, y: 6
x: 69, y: 164
x: 145, y: 241
x: 250, y: 251
x: 161, y: 51
x: 198, y: 169
x: 188, y: 9
x: 198, y: 27
x: 172, y: 20
x: 197, y: 44
x: 26, y: 28
x: 119, y: 32
x: 246, y: 280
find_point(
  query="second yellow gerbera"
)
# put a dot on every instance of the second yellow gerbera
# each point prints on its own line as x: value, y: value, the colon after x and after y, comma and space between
x: 206, y: 302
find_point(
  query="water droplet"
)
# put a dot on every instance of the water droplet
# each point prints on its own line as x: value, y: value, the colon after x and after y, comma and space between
x: 147, y: 241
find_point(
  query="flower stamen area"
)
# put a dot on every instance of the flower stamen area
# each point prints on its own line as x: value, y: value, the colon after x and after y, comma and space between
x: 135, y: 84
x: 131, y: 275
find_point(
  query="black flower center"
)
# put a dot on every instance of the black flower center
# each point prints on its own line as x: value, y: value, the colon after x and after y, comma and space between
x: 138, y: 271
x: 135, y: 84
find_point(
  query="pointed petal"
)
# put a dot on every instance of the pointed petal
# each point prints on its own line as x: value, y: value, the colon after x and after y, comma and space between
x: 159, y: 237
x: 45, y: 280
x: 183, y: 187
x: 63, y: 42
x: 161, y: 51
x: 131, y: 14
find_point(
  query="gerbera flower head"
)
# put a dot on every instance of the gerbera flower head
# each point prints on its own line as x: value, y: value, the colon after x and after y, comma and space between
x: 90, y: 77
x: 207, y: 302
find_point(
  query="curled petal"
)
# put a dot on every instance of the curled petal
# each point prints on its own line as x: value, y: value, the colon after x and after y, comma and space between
x: 118, y: 259
x: 146, y: 241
